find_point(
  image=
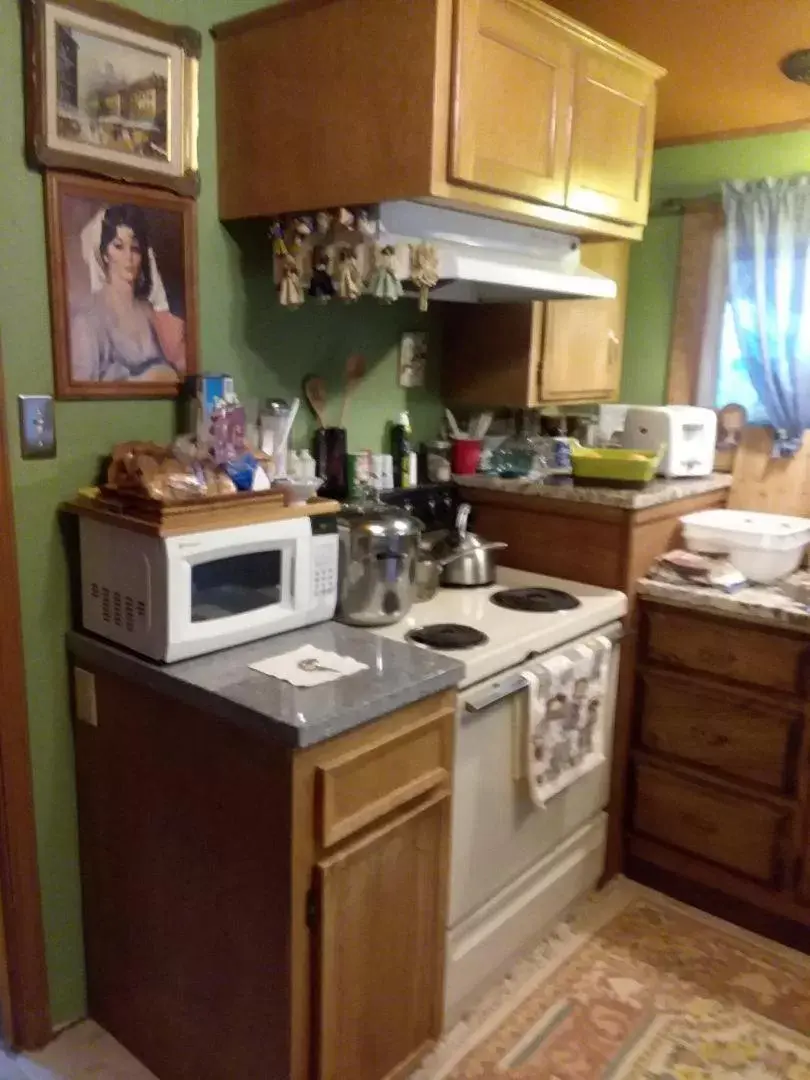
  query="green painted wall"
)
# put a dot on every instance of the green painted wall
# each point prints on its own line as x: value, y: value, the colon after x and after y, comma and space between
x: 242, y: 331
x: 686, y: 172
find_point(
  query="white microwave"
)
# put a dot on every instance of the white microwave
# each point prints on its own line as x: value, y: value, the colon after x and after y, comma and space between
x: 173, y: 597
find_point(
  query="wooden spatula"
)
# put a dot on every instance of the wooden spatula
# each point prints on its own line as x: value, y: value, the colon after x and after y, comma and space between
x: 355, y: 370
x: 315, y: 393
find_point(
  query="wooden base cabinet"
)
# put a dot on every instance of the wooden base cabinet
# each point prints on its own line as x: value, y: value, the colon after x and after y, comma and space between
x: 500, y: 107
x: 256, y: 911
x: 379, y: 909
x: 719, y: 810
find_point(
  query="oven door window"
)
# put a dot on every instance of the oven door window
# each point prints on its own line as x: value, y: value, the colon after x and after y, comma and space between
x: 236, y: 584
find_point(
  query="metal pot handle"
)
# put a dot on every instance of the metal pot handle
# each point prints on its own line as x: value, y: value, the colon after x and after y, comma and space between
x: 462, y: 517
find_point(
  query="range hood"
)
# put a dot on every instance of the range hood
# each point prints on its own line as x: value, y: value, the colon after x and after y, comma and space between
x: 483, y: 260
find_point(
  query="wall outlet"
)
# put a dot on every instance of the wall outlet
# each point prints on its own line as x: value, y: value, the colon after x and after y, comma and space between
x: 84, y: 683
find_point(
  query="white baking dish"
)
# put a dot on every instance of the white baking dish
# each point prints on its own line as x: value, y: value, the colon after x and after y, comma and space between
x: 764, y: 547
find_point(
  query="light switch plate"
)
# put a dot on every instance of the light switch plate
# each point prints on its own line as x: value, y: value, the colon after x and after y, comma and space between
x: 37, y: 426
x: 84, y: 683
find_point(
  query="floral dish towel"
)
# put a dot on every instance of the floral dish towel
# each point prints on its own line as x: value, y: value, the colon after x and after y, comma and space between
x: 566, y: 726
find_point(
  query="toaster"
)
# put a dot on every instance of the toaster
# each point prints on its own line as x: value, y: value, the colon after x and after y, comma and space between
x: 688, y: 432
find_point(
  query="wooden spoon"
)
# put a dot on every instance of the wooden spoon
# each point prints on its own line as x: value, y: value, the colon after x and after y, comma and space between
x: 355, y: 370
x: 315, y: 393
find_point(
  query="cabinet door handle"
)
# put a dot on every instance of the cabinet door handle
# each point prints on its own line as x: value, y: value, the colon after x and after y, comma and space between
x: 613, y: 347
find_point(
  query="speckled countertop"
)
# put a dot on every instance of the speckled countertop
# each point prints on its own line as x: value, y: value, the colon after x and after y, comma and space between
x: 656, y: 493
x: 223, y: 683
x: 784, y: 604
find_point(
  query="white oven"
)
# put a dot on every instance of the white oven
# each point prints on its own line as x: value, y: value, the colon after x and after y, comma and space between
x: 179, y: 596
x: 514, y: 867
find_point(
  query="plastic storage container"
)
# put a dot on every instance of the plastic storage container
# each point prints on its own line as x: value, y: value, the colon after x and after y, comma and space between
x: 764, y: 547
x: 613, y: 467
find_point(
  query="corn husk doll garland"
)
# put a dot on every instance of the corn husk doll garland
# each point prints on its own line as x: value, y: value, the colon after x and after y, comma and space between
x: 350, y: 276
x: 424, y: 270
x: 321, y: 286
x: 339, y: 253
x: 287, y: 268
x: 383, y: 282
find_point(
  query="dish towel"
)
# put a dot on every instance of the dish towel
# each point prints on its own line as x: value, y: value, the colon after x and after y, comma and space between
x: 309, y: 666
x: 566, y: 727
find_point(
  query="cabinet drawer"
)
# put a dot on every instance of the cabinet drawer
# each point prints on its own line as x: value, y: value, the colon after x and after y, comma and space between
x: 734, y: 652
x: 740, y: 834
x: 712, y: 726
x: 366, y: 783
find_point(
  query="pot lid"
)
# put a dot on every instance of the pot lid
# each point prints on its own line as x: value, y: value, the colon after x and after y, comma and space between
x: 377, y: 519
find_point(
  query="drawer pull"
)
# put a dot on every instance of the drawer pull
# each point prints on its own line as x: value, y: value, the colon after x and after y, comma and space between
x: 701, y: 824
x: 712, y: 739
x: 717, y: 658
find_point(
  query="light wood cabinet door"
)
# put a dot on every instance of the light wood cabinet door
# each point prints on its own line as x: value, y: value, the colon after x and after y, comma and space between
x: 583, y: 340
x: 512, y: 99
x: 380, y: 964
x: 612, y: 138
x: 579, y: 355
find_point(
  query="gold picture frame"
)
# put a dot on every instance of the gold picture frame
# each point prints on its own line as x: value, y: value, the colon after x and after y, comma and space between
x: 111, y: 92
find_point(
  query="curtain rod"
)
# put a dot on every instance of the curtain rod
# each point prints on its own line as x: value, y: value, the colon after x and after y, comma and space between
x: 677, y: 207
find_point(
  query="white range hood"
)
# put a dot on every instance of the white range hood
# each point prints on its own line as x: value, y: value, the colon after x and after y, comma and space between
x: 482, y: 260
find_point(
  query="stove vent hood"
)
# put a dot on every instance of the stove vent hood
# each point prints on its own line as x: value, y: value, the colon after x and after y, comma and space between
x: 483, y: 260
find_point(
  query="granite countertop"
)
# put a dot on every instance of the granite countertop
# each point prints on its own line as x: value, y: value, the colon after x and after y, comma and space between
x: 784, y: 604
x: 222, y: 682
x: 657, y: 493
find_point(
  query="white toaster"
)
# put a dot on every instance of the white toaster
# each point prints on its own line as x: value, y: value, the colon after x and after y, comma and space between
x: 689, y: 433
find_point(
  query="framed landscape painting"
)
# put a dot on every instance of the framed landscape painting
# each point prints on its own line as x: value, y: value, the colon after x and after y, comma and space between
x: 111, y: 92
x: 123, y: 284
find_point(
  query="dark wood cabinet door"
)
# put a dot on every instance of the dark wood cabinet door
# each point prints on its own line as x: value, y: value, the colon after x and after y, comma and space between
x: 380, y: 960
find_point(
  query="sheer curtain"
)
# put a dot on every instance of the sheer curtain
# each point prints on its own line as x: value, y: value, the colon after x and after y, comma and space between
x: 768, y: 243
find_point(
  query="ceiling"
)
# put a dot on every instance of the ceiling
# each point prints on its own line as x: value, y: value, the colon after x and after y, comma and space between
x: 722, y: 57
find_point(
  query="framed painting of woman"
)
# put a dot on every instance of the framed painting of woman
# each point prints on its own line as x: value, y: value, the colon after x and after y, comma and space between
x: 123, y: 284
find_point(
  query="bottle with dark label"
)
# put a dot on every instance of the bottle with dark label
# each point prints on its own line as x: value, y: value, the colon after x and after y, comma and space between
x: 401, y: 451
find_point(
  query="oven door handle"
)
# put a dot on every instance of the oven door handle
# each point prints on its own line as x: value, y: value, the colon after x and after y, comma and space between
x: 514, y: 683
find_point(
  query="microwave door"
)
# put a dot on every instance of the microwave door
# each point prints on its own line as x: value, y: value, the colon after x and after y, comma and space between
x: 233, y: 594
x: 235, y: 585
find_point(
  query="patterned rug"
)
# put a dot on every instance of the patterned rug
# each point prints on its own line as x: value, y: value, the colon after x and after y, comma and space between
x: 635, y: 986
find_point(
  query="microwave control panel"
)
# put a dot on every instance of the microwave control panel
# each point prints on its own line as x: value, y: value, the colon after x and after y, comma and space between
x: 324, y: 557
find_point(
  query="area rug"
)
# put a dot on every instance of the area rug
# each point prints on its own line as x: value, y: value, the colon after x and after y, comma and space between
x: 634, y: 986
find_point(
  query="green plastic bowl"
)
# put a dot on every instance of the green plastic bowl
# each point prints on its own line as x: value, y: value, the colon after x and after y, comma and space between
x: 609, y: 465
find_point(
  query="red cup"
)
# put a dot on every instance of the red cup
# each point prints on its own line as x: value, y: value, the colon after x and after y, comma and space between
x: 465, y: 455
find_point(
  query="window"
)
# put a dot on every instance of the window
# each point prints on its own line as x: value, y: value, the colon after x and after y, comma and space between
x: 733, y: 384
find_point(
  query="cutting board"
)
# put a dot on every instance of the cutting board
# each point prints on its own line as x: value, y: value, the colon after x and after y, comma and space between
x: 776, y: 486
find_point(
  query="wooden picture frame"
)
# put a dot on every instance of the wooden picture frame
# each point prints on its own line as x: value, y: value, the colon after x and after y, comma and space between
x: 122, y: 264
x: 111, y: 92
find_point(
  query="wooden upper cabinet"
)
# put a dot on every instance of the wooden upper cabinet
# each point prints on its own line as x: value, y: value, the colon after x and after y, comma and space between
x: 523, y: 355
x: 500, y: 107
x: 513, y: 87
x: 612, y: 138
